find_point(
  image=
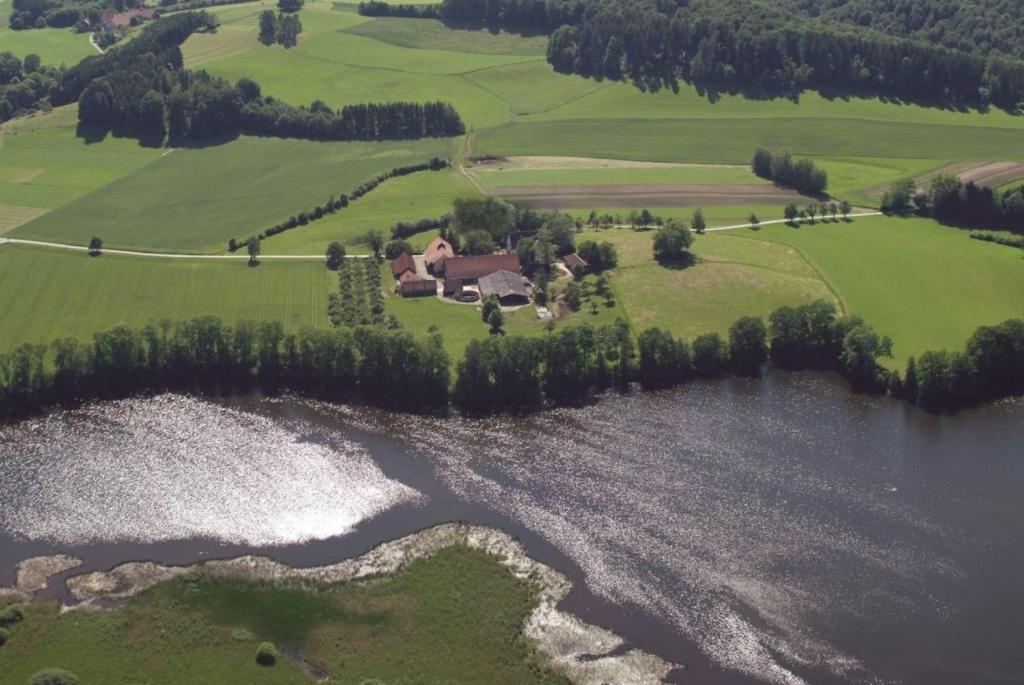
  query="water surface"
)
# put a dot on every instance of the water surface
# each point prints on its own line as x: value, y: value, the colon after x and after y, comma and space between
x: 782, y: 531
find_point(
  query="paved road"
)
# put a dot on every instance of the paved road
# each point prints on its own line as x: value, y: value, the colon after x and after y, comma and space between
x: 169, y: 255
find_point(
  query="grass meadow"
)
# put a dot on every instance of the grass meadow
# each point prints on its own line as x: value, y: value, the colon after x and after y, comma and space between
x: 54, y: 46
x: 44, y: 165
x: 497, y: 177
x: 730, y: 279
x: 194, y: 200
x: 427, y: 194
x: 50, y: 294
x: 925, y: 285
x: 416, y: 626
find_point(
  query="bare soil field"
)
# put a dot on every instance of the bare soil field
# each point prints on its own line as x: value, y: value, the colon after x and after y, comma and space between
x: 654, y: 195
x: 994, y: 174
x: 991, y: 174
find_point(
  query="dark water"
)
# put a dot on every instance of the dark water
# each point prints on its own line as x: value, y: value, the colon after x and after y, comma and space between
x: 782, y: 531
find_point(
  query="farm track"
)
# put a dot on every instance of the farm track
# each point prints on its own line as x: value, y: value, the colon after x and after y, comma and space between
x: 169, y: 255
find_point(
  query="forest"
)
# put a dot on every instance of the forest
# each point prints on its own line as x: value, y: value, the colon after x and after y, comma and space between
x: 753, y: 47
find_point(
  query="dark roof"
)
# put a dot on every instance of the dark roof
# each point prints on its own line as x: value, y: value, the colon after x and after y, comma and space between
x: 452, y: 285
x: 481, y: 265
x: 513, y: 238
x: 573, y: 261
x: 419, y: 287
x: 503, y: 284
x: 402, y: 263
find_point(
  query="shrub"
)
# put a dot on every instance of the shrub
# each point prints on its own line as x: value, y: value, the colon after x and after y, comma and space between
x: 11, y: 615
x: 4, y: 634
x: 53, y: 676
x: 397, y: 247
x: 267, y: 654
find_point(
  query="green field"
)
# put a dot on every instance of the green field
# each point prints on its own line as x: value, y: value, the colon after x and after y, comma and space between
x: 406, y: 198
x: 925, y: 285
x: 343, y: 68
x: 50, y: 293
x: 194, y: 200
x: 731, y: 278
x: 417, y: 626
x: 44, y: 165
x: 54, y: 46
x: 431, y: 34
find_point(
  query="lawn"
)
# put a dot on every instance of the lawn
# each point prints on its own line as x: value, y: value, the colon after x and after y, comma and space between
x: 51, y: 293
x: 417, y: 626
x: 54, y: 46
x: 731, y: 278
x: 406, y: 198
x: 194, y: 200
x: 925, y: 285
x: 44, y: 165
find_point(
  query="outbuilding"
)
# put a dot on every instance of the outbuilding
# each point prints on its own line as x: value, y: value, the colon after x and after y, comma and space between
x: 507, y: 286
x: 403, y: 263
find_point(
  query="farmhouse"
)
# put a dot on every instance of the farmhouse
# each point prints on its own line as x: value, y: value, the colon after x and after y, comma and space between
x: 507, y: 286
x: 403, y: 264
x: 437, y: 251
x: 471, y: 269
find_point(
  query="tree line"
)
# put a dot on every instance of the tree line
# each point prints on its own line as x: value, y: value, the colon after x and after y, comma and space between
x: 142, y: 89
x: 383, y: 367
x: 334, y: 204
x: 802, y: 175
x: 950, y: 200
x: 750, y: 46
x: 376, y: 8
x: 387, y: 367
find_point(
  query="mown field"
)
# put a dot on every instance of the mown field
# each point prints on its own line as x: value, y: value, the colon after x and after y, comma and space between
x: 417, y: 626
x: 49, y: 294
x: 44, y: 165
x: 730, y: 279
x: 925, y: 285
x: 194, y: 200
x: 54, y: 46
x: 427, y: 194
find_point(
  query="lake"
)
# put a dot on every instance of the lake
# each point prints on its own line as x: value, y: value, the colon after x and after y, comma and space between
x: 780, y: 531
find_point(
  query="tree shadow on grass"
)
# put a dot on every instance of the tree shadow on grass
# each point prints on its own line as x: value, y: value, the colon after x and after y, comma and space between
x: 677, y: 264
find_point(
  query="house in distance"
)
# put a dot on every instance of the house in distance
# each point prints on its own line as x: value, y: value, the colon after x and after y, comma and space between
x: 508, y: 287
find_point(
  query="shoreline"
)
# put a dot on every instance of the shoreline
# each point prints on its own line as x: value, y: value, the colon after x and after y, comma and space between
x: 585, y: 653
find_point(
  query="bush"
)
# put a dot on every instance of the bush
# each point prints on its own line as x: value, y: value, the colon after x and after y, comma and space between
x: 53, y: 676
x: 267, y: 654
x: 397, y: 247
x: 11, y: 615
x: 4, y: 634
